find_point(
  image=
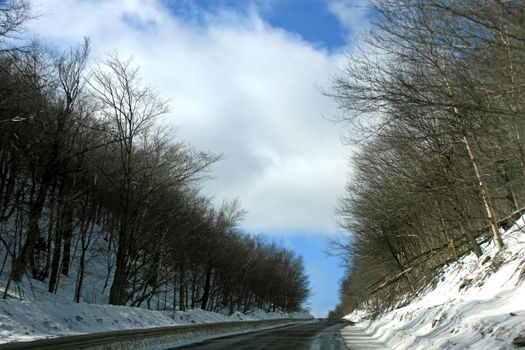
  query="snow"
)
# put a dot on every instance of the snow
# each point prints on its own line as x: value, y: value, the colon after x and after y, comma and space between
x: 30, y: 312
x: 474, y: 305
x: 328, y: 339
x: 23, y: 320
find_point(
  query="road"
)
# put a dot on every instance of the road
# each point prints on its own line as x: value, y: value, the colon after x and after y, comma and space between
x: 322, y: 335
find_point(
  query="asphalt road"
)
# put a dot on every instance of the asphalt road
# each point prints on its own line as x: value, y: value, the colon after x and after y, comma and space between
x: 322, y: 335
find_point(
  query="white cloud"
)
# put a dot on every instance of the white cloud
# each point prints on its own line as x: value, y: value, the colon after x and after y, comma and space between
x: 352, y: 14
x: 238, y: 87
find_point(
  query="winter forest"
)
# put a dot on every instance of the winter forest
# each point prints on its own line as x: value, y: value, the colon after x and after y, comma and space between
x: 93, y: 186
x: 99, y: 195
x: 435, y: 98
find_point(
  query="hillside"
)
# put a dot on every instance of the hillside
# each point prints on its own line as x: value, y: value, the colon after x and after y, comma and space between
x: 43, y: 315
x: 30, y: 312
x: 475, y: 303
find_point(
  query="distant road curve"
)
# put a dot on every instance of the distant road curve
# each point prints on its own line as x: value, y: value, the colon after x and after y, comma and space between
x: 322, y: 335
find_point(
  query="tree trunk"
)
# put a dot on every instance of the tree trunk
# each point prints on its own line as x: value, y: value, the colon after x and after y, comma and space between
x: 206, y: 292
x: 33, y: 232
x: 81, y: 268
x: 487, y: 201
x: 182, y: 291
x: 117, y: 293
x: 67, y: 234
x: 86, y: 232
x: 51, y: 228
x: 55, y: 262
x: 7, y: 186
x: 174, y: 294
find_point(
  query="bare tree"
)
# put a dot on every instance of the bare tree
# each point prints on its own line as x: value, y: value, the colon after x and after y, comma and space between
x: 130, y: 110
x: 429, y: 97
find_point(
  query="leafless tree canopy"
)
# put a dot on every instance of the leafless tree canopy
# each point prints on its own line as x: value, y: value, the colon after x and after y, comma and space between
x: 435, y: 97
x: 88, y: 174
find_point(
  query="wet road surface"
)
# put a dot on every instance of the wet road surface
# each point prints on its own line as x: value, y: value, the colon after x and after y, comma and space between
x: 322, y: 335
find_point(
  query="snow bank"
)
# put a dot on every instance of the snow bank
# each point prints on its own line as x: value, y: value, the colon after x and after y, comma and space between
x: 478, y: 303
x: 26, y: 320
x: 31, y: 312
x: 22, y: 320
x: 259, y: 314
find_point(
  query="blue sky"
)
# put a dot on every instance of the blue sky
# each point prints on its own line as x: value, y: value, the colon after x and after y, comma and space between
x: 313, y: 20
x: 324, y: 271
x: 314, y: 23
x: 243, y: 79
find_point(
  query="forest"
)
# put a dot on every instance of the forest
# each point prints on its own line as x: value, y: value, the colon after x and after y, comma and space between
x: 434, y: 96
x: 90, y: 173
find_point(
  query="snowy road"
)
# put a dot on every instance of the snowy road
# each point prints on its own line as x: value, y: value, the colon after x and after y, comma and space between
x: 315, y: 336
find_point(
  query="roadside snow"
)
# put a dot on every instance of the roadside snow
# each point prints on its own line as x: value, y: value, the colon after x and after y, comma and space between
x: 23, y: 320
x: 474, y: 305
x: 26, y: 320
x: 30, y: 312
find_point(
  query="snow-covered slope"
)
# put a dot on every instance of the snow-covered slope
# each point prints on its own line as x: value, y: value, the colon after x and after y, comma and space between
x: 478, y: 303
x: 30, y: 312
x: 23, y: 320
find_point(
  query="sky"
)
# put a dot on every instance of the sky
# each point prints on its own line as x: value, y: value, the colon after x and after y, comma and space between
x: 244, y: 79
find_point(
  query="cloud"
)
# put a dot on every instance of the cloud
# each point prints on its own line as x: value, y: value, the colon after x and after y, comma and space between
x: 352, y: 14
x: 237, y: 86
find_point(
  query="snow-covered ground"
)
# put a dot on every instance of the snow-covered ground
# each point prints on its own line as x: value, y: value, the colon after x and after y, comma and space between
x: 30, y: 312
x: 475, y: 305
x: 23, y: 320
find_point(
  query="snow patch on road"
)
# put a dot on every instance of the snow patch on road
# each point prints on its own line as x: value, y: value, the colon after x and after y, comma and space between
x: 329, y: 339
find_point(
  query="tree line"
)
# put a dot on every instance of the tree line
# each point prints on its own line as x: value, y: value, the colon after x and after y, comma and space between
x: 87, y: 171
x: 435, y: 97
